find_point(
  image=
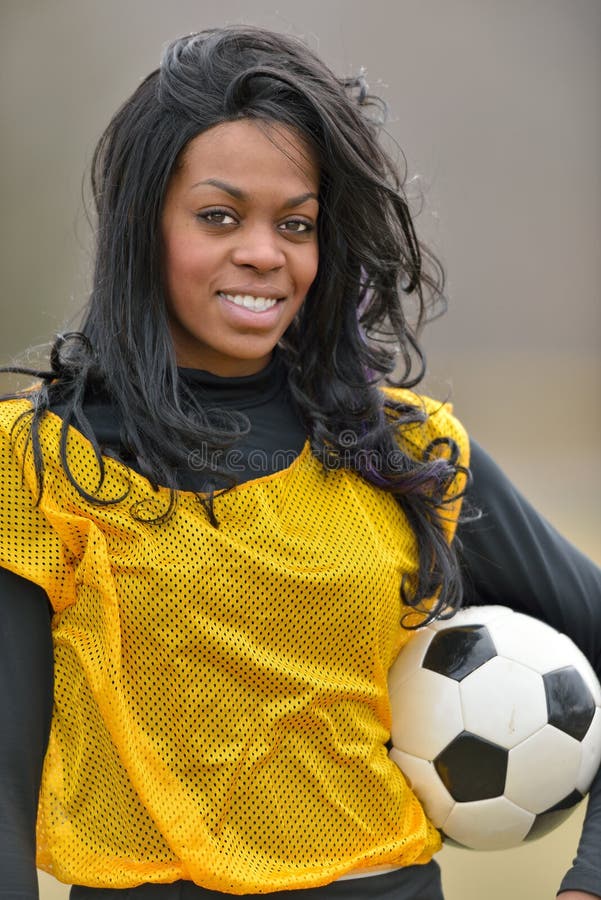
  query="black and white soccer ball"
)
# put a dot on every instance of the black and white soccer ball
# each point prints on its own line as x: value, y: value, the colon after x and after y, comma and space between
x: 496, y: 724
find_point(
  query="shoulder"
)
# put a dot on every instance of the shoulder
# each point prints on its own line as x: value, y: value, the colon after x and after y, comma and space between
x: 16, y: 456
x: 15, y: 415
x: 27, y: 447
x: 423, y: 420
x: 12, y: 410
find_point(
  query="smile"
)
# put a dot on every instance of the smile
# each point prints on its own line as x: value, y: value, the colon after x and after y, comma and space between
x: 257, y: 304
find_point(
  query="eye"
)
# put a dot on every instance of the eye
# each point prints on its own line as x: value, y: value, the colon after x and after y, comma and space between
x: 296, y: 226
x: 216, y: 217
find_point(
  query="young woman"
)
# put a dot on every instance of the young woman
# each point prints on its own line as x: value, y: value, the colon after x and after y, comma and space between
x: 218, y: 527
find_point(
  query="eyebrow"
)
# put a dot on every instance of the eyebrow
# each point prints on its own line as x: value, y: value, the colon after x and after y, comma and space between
x: 240, y: 195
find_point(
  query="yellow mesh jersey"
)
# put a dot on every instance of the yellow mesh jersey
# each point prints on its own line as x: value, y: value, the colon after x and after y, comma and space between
x: 221, y: 708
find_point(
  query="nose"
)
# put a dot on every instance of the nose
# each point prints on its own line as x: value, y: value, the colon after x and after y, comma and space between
x: 259, y: 247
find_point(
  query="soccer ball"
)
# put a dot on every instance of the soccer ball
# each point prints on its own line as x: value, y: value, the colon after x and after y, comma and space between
x: 496, y: 724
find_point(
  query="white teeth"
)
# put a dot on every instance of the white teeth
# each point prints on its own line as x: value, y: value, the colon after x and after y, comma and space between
x: 258, y: 304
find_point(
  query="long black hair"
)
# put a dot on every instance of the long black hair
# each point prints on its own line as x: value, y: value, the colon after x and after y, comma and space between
x: 352, y: 330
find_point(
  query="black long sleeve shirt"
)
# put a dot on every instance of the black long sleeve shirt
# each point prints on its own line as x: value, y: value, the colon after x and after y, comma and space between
x: 510, y: 555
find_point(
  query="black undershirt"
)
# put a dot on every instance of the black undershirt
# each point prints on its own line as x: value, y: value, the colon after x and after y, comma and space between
x: 511, y: 555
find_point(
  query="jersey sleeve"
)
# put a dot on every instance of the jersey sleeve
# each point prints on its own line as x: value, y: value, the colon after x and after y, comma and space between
x: 30, y: 544
x: 25, y: 711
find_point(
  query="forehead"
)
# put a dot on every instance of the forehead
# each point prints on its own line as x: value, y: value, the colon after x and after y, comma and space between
x: 250, y: 152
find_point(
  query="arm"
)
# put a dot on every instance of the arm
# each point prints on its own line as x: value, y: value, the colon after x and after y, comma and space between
x: 514, y: 557
x: 25, y: 711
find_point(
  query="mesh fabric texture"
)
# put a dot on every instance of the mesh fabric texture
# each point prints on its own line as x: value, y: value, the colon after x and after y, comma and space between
x: 221, y: 710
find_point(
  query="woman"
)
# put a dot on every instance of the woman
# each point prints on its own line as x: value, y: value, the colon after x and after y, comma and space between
x: 235, y: 526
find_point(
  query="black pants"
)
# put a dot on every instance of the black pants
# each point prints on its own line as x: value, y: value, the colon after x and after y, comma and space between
x: 409, y: 883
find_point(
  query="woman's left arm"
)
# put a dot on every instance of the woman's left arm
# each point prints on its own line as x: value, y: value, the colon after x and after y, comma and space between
x: 512, y: 556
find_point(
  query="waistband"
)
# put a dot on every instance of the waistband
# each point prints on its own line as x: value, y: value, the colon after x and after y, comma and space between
x: 407, y: 883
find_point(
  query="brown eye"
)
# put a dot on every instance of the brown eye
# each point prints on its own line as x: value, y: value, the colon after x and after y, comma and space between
x: 297, y: 226
x: 216, y: 217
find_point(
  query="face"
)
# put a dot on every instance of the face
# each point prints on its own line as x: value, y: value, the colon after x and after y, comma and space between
x: 240, y: 244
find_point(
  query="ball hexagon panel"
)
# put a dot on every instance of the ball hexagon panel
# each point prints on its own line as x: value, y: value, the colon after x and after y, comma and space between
x: 409, y: 659
x: 503, y: 701
x: 531, y: 642
x: 458, y: 650
x: 590, y: 751
x: 542, y: 769
x: 427, y: 713
x: 553, y: 817
x: 489, y: 824
x: 471, y: 768
x: 424, y: 781
x: 570, y: 704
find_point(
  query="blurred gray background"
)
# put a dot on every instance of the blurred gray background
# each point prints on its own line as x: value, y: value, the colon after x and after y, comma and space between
x: 497, y: 107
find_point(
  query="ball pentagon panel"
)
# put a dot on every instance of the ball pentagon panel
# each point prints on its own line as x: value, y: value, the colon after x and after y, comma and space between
x: 457, y: 651
x: 574, y: 656
x: 570, y: 704
x: 503, y: 702
x: 472, y: 768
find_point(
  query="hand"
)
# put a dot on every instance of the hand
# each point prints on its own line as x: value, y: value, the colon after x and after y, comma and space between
x: 577, y: 895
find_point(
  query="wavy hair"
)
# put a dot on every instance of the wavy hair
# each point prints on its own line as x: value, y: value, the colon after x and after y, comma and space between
x: 348, y: 336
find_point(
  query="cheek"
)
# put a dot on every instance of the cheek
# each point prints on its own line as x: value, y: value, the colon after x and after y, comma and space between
x: 311, y: 266
x: 185, y: 266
